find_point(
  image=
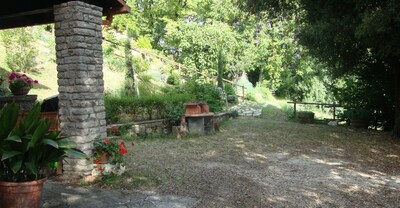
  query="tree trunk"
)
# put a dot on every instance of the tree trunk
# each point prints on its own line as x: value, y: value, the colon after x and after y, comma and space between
x: 261, y: 76
x: 220, y: 70
x: 396, y: 129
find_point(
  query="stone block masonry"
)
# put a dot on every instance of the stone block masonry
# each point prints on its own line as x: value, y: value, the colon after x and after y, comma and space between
x: 80, y: 78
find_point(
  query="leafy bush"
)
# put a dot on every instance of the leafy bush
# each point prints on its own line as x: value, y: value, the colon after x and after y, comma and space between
x: 288, y: 110
x: 173, y: 79
x: 199, y: 92
x: 358, y: 114
x: 229, y: 89
x: 206, y: 92
x: 230, y: 93
x: 20, y: 50
x: 143, y: 108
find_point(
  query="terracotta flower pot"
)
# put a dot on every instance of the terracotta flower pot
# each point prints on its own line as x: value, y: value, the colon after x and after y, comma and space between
x: 205, y: 108
x: 103, y: 159
x: 21, y: 194
x: 19, y: 90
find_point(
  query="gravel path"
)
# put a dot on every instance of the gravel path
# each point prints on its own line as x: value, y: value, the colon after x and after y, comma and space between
x: 256, y: 162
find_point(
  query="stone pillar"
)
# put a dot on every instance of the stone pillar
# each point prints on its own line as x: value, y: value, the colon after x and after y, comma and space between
x: 80, y: 78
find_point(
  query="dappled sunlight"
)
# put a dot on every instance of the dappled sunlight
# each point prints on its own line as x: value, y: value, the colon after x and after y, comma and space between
x: 251, y: 156
x: 373, y: 150
x: 326, y: 162
x: 392, y: 156
x: 209, y: 154
x: 335, y: 175
x: 334, y: 135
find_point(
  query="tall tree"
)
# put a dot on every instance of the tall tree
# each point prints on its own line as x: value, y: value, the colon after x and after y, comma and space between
x: 360, y: 40
x: 20, y: 49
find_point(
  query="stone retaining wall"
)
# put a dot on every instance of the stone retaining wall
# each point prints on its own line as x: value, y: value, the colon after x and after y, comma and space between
x: 150, y: 127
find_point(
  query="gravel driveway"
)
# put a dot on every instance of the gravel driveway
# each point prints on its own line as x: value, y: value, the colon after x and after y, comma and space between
x: 255, y: 162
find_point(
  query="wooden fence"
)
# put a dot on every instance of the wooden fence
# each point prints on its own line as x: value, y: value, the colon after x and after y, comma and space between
x: 328, y: 105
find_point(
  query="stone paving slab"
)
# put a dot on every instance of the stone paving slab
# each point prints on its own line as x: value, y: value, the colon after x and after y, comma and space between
x: 59, y: 195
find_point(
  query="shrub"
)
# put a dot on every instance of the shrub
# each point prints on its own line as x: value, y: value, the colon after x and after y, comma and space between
x: 230, y: 93
x: 143, y: 108
x: 199, y: 92
x: 205, y: 92
x: 358, y: 114
x: 20, y: 50
x: 173, y: 79
x: 229, y: 89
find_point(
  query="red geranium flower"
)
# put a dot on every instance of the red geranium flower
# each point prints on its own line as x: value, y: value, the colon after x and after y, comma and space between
x: 122, y: 148
x: 106, y: 140
x: 114, y: 128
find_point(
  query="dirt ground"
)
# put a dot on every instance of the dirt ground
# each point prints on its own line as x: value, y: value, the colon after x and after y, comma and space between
x: 258, y: 162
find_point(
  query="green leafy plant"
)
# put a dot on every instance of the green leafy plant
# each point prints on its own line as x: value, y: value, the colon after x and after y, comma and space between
x: 27, y: 148
x: 20, y: 48
x: 115, y: 150
x: 173, y: 79
x: 145, y: 107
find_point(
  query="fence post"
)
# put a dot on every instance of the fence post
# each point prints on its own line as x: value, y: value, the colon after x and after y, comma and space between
x: 243, y: 93
x: 294, y: 108
x: 334, y: 111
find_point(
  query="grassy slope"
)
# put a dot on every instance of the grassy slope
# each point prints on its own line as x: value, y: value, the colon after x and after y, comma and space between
x: 46, y: 71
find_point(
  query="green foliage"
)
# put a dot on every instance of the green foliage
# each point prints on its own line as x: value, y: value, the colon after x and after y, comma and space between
x: 26, y: 149
x: 260, y: 93
x: 173, y: 79
x: 358, y: 114
x: 201, y: 43
x: 20, y: 49
x: 114, y: 149
x: 357, y: 40
x: 204, y: 92
x: 144, y: 42
x: 230, y: 93
x: 273, y: 113
x: 288, y: 110
x: 143, y: 108
x: 229, y: 90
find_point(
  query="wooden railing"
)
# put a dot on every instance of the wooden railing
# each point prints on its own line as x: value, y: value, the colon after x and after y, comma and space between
x: 328, y: 105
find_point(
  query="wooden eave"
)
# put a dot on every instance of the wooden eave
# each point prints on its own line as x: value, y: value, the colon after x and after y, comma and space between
x: 24, y: 13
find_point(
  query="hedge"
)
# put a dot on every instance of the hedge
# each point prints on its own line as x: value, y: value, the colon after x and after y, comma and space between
x: 121, y: 109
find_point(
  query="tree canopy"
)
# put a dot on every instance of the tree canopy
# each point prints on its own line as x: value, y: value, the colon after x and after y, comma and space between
x: 359, y: 41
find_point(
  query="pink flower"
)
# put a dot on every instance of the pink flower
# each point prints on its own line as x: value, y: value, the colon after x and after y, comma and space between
x: 35, y: 81
x: 106, y: 140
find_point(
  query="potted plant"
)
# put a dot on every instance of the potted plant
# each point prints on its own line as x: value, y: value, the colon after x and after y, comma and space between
x: 359, y: 118
x: 20, y: 84
x: 305, y: 116
x: 108, y: 154
x: 26, y: 150
x: 109, y: 150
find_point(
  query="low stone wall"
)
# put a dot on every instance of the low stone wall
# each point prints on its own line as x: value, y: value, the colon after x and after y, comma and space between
x: 26, y: 102
x: 150, y: 127
x: 161, y: 126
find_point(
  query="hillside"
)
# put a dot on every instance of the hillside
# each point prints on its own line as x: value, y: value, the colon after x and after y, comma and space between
x: 46, y: 70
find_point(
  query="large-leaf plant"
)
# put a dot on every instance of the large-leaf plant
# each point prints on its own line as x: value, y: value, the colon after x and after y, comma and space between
x: 27, y: 148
